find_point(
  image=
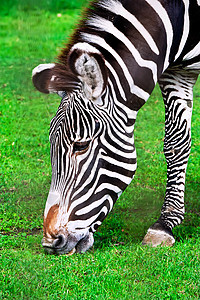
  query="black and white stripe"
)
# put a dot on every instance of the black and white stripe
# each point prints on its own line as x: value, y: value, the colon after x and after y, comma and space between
x: 84, y: 179
x: 117, y: 55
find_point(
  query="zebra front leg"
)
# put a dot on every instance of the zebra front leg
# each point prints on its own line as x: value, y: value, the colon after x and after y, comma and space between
x: 177, y: 91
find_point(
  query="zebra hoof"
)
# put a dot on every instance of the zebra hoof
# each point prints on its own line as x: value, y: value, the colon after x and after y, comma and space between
x: 156, y: 238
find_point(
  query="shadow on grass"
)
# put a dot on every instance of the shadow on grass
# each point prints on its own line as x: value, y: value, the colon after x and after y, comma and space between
x: 137, y: 209
x: 133, y: 213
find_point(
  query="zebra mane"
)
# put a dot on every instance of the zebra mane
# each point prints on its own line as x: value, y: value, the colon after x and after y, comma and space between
x: 65, y: 77
x: 95, y: 7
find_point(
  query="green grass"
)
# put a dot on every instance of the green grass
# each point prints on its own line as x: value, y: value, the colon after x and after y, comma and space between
x: 117, y: 267
x: 128, y: 272
x: 9, y: 7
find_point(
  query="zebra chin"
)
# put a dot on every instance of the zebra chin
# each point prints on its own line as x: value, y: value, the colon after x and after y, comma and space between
x: 68, y: 244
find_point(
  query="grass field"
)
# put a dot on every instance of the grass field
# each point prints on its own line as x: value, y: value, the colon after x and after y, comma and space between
x: 32, y: 32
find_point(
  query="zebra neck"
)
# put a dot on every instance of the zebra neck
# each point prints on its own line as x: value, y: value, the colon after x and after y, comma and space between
x: 135, y: 51
x: 138, y: 39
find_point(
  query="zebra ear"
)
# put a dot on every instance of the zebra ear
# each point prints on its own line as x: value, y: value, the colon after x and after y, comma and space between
x: 89, y: 65
x: 42, y: 76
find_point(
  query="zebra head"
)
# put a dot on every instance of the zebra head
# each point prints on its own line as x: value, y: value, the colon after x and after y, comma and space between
x: 92, y: 149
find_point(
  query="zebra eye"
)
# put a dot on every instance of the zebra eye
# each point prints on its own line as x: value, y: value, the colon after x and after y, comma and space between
x: 80, y: 146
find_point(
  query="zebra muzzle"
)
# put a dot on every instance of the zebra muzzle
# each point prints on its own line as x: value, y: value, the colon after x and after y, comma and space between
x: 67, y: 244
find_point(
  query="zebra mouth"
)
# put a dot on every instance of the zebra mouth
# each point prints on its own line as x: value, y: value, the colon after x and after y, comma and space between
x: 58, y: 251
x: 58, y: 247
x: 85, y: 243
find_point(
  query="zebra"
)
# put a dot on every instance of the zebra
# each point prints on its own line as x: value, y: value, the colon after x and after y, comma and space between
x: 104, y: 75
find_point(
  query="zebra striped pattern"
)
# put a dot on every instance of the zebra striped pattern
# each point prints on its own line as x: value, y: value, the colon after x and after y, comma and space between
x: 106, y: 74
x: 84, y: 178
x: 177, y: 143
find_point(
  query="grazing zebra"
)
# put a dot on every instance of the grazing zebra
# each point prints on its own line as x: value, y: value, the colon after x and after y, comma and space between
x: 105, y: 75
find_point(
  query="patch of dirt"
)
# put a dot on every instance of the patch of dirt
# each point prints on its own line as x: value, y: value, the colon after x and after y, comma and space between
x: 34, y: 231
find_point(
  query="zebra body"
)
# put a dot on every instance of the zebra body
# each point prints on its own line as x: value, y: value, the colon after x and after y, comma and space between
x: 105, y: 75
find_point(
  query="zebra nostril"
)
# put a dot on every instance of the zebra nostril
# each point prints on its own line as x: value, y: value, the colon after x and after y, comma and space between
x: 59, y: 242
